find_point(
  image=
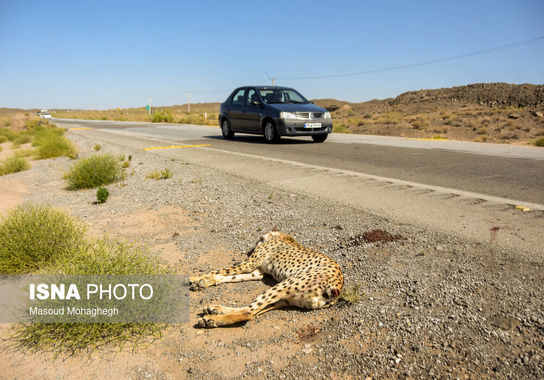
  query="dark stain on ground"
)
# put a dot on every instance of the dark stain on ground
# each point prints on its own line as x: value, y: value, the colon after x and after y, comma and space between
x: 373, y: 237
x: 307, y: 332
x: 493, y: 234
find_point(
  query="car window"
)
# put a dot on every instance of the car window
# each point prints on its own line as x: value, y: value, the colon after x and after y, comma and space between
x: 271, y: 96
x: 238, y: 98
x: 251, y: 96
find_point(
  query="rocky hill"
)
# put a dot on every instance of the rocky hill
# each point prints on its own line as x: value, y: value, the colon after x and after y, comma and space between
x: 485, y: 112
x: 490, y: 94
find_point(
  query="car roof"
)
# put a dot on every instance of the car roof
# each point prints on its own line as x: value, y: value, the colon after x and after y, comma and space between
x: 266, y: 87
x: 272, y: 88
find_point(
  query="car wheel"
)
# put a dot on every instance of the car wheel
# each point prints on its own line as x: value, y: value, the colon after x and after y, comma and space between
x: 270, y: 134
x: 225, y: 129
x: 320, y: 138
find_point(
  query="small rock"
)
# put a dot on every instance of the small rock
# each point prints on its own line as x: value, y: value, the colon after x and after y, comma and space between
x: 514, y: 116
x: 307, y: 349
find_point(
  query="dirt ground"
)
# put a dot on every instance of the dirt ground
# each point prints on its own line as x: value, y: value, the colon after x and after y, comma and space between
x: 429, y: 304
x: 183, y: 349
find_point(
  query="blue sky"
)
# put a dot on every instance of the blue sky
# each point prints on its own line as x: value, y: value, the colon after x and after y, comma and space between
x: 105, y: 54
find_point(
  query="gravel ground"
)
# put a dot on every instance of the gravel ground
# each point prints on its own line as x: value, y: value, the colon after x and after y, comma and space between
x: 430, y: 305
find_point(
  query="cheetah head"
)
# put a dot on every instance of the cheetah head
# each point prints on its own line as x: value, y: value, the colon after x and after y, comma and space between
x: 265, y: 239
x: 331, y: 293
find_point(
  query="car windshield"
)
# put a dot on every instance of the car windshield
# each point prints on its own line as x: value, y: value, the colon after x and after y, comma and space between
x: 278, y: 95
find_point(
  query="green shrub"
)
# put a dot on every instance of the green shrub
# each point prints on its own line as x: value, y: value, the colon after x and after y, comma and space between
x: 162, y: 117
x: 102, y: 194
x: 93, y: 171
x: 106, y: 256
x: 37, y: 123
x: 33, y: 237
x: 43, y: 135
x: 40, y: 239
x: 8, y: 134
x: 340, y: 128
x: 163, y: 174
x: 3, y: 139
x: 21, y: 153
x: 57, y: 147
x: 23, y: 138
x: 13, y: 165
x: 97, y: 147
x: 351, y: 294
x: 100, y: 256
x: 539, y: 142
x: 49, y: 140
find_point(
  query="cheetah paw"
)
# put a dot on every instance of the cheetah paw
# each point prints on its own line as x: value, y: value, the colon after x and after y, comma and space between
x: 198, y: 283
x: 207, y: 322
x: 218, y: 309
x: 210, y: 310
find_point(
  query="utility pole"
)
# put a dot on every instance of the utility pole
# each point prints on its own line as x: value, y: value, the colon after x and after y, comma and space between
x: 188, y: 102
x: 272, y: 79
x: 149, y: 104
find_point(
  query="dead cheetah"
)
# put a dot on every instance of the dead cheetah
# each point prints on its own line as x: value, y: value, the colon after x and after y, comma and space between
x: 306, y: 278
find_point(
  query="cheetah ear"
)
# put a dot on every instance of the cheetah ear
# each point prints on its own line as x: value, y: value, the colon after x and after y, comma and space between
x: 275, y: 228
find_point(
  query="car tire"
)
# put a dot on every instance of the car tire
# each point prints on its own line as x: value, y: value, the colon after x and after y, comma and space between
x: 320, y: 138
x: 225, y: 130
x: 270, y: 133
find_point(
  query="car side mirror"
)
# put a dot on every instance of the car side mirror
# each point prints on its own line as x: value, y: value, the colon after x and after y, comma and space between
x: 256, y: 103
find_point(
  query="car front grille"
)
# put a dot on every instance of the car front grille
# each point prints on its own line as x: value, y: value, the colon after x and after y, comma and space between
x: 302, y: 129
x: 309, y: 115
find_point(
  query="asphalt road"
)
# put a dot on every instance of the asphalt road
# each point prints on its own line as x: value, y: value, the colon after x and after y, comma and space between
x: 512, y: 172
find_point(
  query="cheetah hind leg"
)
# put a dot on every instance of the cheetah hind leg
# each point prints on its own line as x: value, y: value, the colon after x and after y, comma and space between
x: 235, y: 274
x: 216, y: 315
x: 219, y: 309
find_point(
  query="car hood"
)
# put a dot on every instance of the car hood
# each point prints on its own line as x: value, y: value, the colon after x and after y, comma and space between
x: 288, y: 107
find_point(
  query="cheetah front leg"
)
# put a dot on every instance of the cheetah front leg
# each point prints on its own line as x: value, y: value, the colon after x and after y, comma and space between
x: 274, y: 298
x: 246, y: 271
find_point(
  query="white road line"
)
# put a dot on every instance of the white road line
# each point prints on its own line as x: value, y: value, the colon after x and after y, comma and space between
x: 468, y: 194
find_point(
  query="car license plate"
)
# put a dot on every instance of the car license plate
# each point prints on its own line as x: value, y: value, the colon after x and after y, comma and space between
x: 312, y: 125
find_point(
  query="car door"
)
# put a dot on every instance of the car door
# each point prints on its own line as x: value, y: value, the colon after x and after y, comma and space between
x: 252, y: 115
x: 235, y: 110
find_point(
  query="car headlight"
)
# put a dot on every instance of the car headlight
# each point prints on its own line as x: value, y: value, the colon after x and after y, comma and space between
x: 287, y: 115
x: 327, y: 115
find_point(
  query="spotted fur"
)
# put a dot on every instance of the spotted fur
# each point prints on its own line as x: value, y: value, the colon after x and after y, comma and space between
x: 306, y: 278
